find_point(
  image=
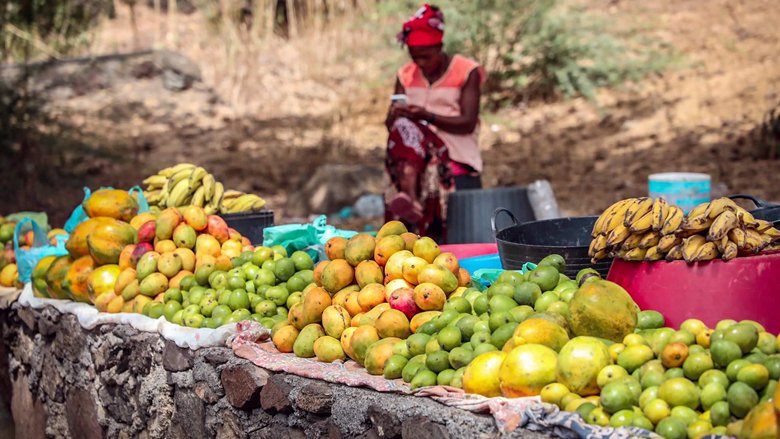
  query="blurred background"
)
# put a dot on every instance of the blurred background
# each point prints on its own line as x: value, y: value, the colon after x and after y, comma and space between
x: 283, y: 97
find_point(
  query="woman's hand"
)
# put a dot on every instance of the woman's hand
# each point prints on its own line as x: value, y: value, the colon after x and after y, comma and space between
x: 412, y: 112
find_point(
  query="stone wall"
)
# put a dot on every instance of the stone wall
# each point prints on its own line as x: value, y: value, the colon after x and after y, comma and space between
x: 114, y: 381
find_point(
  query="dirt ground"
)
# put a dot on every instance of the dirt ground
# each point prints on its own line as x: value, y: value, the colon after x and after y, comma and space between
x: 266, y: 115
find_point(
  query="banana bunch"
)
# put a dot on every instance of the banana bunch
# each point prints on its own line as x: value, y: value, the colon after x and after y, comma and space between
x: 644, y: 229
x: 188, y: 184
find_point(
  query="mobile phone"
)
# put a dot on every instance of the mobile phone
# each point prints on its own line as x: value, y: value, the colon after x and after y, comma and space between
x: 399, y: 99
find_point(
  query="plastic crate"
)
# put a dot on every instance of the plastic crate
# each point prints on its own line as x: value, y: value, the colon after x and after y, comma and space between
x: 250, y: 224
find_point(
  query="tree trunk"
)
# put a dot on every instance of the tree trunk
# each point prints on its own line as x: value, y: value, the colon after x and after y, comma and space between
x: 292, y: 23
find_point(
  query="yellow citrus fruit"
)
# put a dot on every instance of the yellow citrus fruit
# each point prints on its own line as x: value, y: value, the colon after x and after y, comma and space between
x: 553, y: 392
x: 526, y: 370
x: 481, y: 376
x: 540, y: 331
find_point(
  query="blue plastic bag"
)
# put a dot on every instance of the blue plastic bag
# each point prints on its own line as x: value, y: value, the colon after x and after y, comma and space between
x: 310, y: 238
x: 79, y: 215
x: 485, y: 277
x: 26, y: 260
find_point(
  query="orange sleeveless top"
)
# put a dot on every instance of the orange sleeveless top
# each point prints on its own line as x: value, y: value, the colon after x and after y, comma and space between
x: 443, y: 98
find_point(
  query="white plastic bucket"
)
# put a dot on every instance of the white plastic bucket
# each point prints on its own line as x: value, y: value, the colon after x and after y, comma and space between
x: 684, y: 189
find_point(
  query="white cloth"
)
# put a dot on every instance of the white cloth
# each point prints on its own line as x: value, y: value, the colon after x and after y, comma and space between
x: 89, y: 317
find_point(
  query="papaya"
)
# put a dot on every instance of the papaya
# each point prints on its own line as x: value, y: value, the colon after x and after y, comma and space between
x: 602, y: 309
x: 55, y: 276
x: 77, y: 242
x: 102, y: 281
x: 108, y: 239
x: 111, y: 203
x: 38, y: 277
x: 77, y: 277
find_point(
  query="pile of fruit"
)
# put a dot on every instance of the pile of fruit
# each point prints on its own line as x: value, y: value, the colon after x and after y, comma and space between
x: 646, y: 229
x: 94, y: 248
x: 259, y: 285
x: 186, y: 184
x: 9, y: 273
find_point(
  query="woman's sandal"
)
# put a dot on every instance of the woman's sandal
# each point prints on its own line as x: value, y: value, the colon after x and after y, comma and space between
x: 403, y: 206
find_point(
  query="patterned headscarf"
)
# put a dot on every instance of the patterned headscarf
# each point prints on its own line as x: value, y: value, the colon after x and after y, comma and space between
x: 425, y: 28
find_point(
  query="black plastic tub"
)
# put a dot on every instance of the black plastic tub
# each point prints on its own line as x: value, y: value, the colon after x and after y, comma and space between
x: 764, y: 210
x: 250, y: 224
x: 468, y: 212
x: 532, y: 241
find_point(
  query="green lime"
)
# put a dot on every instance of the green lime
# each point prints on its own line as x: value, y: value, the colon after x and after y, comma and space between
x: 527, y: 293
x: 449, y: 338
x: 416, y: 343
x: 623, y: 418
x: 617, y: 396
x: 481, y: 304
x: 720, y: 413
x: 555, y: 261
x: 437, y: 361
x: 499, y: 319
x: 696, y: 364
x: 170, y: 309
x: 284, y: 269
x: 238, y: 300
x: 445, y: 377
x: 649, y: 319
x: 501, y: 289
x: 502, y: 334
x: 277, y: 294
x: 265, y: 308
x: 460, y: 357
x: 302, y: 260
x: 714, y: 376
x: 262, y: 254
x: 545, y: 276
x: 501, y: 304
x: 733, y: 368
x: 754, y: 375
x: 466, y: 326
x: 712, y: 393
x: 510, y: 277
x: 424, y: 378
x: 672, y: 428
x: 394, y: 367
x: 741, y: 398
x: 743, y: 334
x: 545, y: 300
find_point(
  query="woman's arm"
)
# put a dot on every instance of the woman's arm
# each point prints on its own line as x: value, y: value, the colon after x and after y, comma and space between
x: 465, y: 123
x: 399, y: 89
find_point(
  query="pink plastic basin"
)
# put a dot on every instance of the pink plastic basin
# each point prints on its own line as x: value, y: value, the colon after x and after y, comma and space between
x: 743, y: 288
x: 463, y: 251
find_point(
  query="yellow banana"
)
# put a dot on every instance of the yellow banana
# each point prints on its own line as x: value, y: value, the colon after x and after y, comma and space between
x: 694, y: 225
x: 227, y: 205
x: 698, y: 210
x: 746, y: 219
x: 676, y: 253
x: 660, y: 213
x: 722, y: 243
x: 653, y: 254
x: 635, y: 254
x: 599, y: 256
x: 649, y: 239
x: 643, y: 223
x: 632, y: 241
x: 771, y: 232
x: 691, y: 247
x: 243, y: 203
x: 707, y: 252
x: 216, y: 201
x: 209, y: 187
x: 178, y: 194
x: 754, y: 241
x: 719, y: 205
x: 176, y: 178
x: 155, y: 181
x: 230, y: 194
x: 258, y: 204
x: 667, y: 242
x: 168, y: 172
x: 598, y: 244
x: 762, y: 225
x: 196, y: 177
x: 152, y: 197
x: 210, y: 210
x: 617, y: 235
x: 730, y: 251
x: 600, y: 227
x: 673, y: 220
x: 738, y: 237
x: 637, y: 210
x: 721, y: 225
x: 199, y: 197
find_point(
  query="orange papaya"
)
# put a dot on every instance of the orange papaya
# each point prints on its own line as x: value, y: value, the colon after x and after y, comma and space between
x: 108, y: 239
x: 112, y: 203
x: 76, y: 278
x: 77, y: 242
x: 55, y: 276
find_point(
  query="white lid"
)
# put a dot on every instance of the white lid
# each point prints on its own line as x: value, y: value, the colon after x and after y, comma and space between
x: 679, y: 176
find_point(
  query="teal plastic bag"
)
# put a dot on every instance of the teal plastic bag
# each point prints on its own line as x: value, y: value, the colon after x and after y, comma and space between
x: 310, y: 238
x: 39, y: 217
x: 79, y: 215
x: 26, y: 260
x: 485, y: 277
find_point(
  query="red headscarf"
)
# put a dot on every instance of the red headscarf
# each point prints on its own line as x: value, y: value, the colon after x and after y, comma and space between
x: 425, y: 28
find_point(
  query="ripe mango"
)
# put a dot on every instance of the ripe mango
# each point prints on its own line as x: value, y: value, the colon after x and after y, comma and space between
x: 412, y: 268
x: 391, y: 228
x: 142, y: 218
x: 175, y: 281
x: 166, y: 223
x: 304, y: 343
x: 218, y: 228
x: 387, y: 247
x: 131, y: 290
x: 335, y: 248
x: 195, y: 217
x: 337, y: 275
x: 164, y: 245
x: 392, y: 323
x: 426, y: 248
x: 363, y: 337
x: 396, y: 284
x: 378, y: 353
x: 409, y: 240
x: 317, y: 272
x: 370, y: 296
x: 154, y: 284
x: 184, y: 236
x: 187, y: 259
x: 340, y: 298
x: 169, y: 264
x: 328, y: 349
x: 314, y: 303
x: 295, y: 316
x: 345, y: 340
x: 125, y: 277
x: 439, y: 276
x: 368, y: 272
x: 335, y: 319
x: 369, y: 318
x: 464, y: 278
x: 448, y: 261
x: 395, y: 265
x: 147, y: 264
x: 351, y: 303
x: 284, y: 338
x: 429, y: 297
x: 355, y: 322
x: 359, y: 248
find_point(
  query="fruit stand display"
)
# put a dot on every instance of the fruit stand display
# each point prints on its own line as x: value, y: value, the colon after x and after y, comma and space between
x: 400, y: 308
